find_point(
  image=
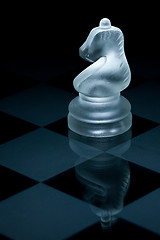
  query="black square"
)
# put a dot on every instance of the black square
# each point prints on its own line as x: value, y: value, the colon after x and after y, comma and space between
x: 141, y: 125
x: 2, y: 237
x: 143, y: 181
x: 106, y: 181
x: 60, y: 126
x: 12, y: 182
x: 116, y: 230
x: 12, y: 127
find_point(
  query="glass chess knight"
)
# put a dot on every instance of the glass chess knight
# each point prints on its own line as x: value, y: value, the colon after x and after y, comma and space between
x: 100, y: 110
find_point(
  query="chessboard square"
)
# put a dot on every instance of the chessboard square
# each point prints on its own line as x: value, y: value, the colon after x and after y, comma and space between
x: 114, y: 230
x: 13, y: 182
x: 2, y: 237
x: 60, y: 126
x: 40, y: 154
x: 12, y: 82
x: 142, y: 151
x: 145, y: 100
x: 102, y: 176
x: 141, y: 125
x: 42, y: 212
x: 140, y: 156
x: 144, y: 212
x: 12, y: 127
x: 40, y: 105
x: 142, y: 182
x: 149, y: 139
x: 66, y: 182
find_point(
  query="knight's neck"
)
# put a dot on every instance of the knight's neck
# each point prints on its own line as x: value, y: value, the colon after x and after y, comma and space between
x: 115, y: 54
x: 115, y: 50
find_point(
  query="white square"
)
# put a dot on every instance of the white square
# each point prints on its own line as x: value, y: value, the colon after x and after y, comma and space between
x: 42, y: 212
x: 40, y: 154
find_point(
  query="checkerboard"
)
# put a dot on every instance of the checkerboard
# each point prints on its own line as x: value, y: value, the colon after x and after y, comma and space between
x: 56, y: 184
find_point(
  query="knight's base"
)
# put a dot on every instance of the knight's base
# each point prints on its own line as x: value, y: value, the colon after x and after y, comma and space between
x: 99, y: 130
x: 105, y: 117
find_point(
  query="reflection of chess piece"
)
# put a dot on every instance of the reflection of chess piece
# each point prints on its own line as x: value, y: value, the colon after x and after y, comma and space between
x: 104, y: 179
x: 100, y: 110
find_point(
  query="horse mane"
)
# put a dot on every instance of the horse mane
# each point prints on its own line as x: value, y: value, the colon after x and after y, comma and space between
x: 114, y: 35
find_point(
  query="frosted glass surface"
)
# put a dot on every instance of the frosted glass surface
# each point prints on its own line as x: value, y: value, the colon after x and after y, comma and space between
x: 110, y: 73
x: 100, y: 110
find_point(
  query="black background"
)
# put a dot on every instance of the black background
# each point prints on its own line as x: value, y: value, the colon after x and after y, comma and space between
x: 56, y: 30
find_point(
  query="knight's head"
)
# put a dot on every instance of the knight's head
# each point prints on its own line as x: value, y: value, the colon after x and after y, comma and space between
x: 102, y: 41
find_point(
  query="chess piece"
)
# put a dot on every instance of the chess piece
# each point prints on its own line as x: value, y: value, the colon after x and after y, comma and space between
x: 100, y: 110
